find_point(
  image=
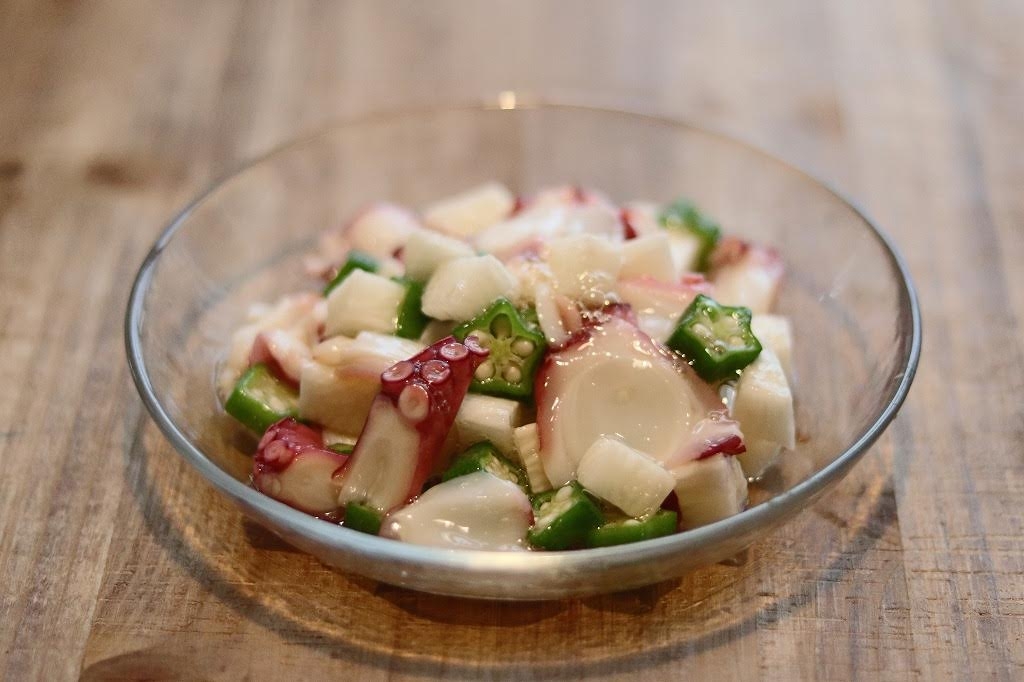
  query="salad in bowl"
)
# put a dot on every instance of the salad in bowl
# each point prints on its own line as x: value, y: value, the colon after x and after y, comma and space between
x: 501, y: 372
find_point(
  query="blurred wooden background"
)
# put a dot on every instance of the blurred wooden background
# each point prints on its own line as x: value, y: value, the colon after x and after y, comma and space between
x: 118, y: 562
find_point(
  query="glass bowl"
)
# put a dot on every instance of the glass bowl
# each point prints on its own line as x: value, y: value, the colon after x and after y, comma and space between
x: 848, y: 294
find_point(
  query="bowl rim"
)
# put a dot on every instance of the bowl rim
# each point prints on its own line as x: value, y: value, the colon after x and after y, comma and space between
x: 516, y: 563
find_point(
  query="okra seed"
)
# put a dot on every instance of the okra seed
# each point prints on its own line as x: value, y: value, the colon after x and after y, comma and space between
x: 483, y: 338
x: 512, y: 374
x: 522, y: 347
x: 549, y: 511
x: 545, y: 520
x: 484, y: 371
x: 702, y: 330
x: 735, y: 341
x: 563, y: 494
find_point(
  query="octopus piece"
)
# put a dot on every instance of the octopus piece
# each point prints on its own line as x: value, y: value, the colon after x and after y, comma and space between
x: 658, y: 305
x: 293, y: 466
x: 613, y: 380
x: 409, y: 420
x: 292, y: 324
x: 480, y: 511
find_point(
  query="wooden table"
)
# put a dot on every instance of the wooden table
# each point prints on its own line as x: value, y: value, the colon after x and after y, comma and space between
x: 117, y: 561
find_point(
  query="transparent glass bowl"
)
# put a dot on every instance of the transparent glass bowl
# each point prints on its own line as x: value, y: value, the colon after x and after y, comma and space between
x: 848, y: 294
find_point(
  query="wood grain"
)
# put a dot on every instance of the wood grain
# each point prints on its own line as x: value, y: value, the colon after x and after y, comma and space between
x: 118, y: 562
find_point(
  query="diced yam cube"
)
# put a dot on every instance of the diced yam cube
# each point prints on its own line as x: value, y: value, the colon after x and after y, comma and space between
x: 461, y: 288
x: 651, y: 256
x: 584, y: 267
x: 763, y: 406
x: 776, y: 333
x: 426, y: 250
x: 465, y: 214
x: 364, y: 301
x: 340, y: 397
x: 685, y: 248
x: 484, y: 417
x: 760, y: 455
x: 627, y: 478
x: 709, y: 490
x: 527, y: 452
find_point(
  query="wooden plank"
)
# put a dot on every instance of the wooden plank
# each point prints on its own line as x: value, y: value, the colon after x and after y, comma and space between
x: 66, y: 265
x: 961, y: 549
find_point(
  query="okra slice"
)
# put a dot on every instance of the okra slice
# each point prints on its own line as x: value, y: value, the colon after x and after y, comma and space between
x: 516, y: 349
x: 715, y: 338
x: 259, y: 399
x: 411, y: 320
x: 622, y: 531
x: 362, y: 518
x: 564, y: 519
x: 483, y: 456
x: 683, y: 215
x: 357, y: 260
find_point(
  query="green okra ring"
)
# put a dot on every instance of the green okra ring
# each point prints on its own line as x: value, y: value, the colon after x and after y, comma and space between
x: 715, y: 338
x: 564, y: 519
x: 516, y: 349
x: 483, y: 456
